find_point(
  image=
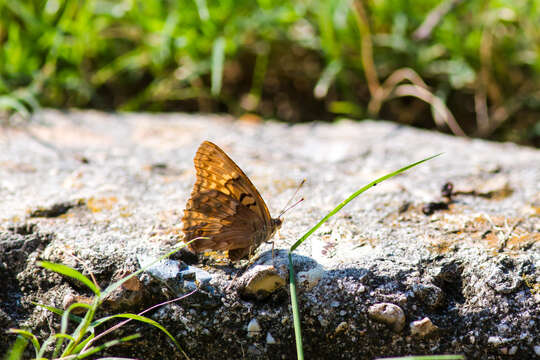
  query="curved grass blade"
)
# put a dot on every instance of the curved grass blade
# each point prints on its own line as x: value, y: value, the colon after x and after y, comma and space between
x: 143, y: 319
x: 108, y: 344
x: 58, y: 311
x: 109, y: 289
x: 354, y: 195
x: 294, y: 298
x: 72, y: 273
x: 59, y: 341
x: 427, y: 357
x: 25, y: 335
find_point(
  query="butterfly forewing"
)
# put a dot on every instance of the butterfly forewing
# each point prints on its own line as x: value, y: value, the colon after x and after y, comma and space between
x: 225, y: 207
x: 216, y: 170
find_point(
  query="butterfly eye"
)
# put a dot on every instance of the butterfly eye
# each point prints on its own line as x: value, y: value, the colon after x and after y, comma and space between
x: 277, y: 222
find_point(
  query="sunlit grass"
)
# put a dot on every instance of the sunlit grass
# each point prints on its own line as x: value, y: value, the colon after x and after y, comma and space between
x: 176, y: 55
x: 83, y: 341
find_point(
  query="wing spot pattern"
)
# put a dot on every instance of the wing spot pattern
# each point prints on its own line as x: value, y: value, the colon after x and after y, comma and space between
x: 249, y: 201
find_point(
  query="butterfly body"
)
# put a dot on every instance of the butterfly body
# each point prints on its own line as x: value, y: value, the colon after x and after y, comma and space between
x: 225, y: 207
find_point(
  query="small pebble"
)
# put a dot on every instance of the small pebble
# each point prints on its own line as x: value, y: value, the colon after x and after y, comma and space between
x: 389, y: 314
x: 343, y: 326
x: 253, y: 328
x: 270, y: 339
x: 429, y: 294
x: 495, y: 340
x: 423, y: 327
x: 310, y: 278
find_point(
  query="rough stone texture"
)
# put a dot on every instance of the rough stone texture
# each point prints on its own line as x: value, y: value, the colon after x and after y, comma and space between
x: 105, y: 189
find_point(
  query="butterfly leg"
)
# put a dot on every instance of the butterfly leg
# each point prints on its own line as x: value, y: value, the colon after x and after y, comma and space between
x: 271, y: 242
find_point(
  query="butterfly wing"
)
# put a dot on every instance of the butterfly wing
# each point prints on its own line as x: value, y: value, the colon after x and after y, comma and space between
x: 226, y: 224
x: 224, y: 206
x: 217, y: 171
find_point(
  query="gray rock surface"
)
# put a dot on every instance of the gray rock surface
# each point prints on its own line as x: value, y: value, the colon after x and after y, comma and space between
x: 104, y: 190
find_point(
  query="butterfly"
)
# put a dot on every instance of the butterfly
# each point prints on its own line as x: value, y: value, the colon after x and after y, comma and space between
x: 225, y: 207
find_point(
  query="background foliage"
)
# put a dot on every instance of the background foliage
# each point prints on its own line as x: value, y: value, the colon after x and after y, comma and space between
x: 474, y: 63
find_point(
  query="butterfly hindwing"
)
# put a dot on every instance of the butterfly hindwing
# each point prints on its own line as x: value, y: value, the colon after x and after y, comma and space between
x: 224, y: 221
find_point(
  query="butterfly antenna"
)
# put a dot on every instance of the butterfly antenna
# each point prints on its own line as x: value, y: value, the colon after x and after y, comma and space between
x: 292, y: 197
x: 289, y: 208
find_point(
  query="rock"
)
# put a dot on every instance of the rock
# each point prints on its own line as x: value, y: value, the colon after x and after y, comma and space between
x: 164, y: 269
x: 310, y: 278
x: 429, y: 294
x: 253, y: 328
x: 389, y: 314
x: 342, y: 327
x: 270, y: 339
x: 497, y: 340
x: 133, y: 174
x: 423, y: 327
x: 260, y: 281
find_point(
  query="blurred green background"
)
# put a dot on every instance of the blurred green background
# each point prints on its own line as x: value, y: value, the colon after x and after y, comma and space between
x: 465, y: 67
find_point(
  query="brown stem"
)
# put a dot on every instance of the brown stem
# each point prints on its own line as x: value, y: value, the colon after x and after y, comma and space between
x: 434, y: 18
x: 367, y: 50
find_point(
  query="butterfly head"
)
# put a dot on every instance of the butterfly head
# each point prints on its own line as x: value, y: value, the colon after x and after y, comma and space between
x: 276, y: 224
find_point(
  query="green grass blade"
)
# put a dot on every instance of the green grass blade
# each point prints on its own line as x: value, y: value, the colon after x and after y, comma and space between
x: 118, y: 283
x: 10, y: 103
x: 218, y: 58
x: 77, y: 349
x: 59, y: 312
x: 327, y: 78
x: 296, y: 311
x: 72, y: 273
x: 59, y: 338
x: 294, y: 298
x: 354, y: 195
x: 66, y: 315
x: 17, y: 349
x: 427, y: 357
x: 202, y: 8
x: 83, y: 324
x: 143, y: 319
x: 28, y: 336
x: 82, y: 328
x: 108, y: 344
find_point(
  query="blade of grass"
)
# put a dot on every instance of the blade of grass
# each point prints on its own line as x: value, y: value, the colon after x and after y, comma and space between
x: 67, y: 271
x: 82, y: 328
x: 83, y: 344
x: 108, y: 344
x: 296, y: 311
x: 65, y: 321
x: 294, y: 297
x: 143, y: 319
x: 218, y: 58
x: 59, y: 338
x: 327, y: 78
x: 427, y: 357
x: 58, y: 311
x: 109, y: 289
x: 354, y: 195
x: 20, y: 344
